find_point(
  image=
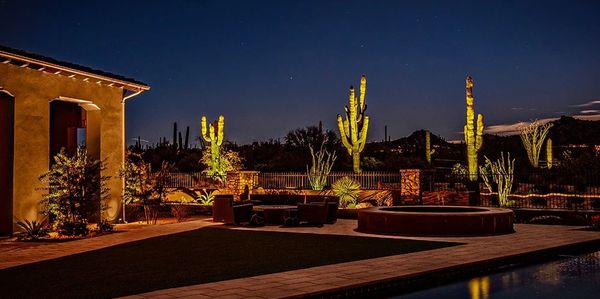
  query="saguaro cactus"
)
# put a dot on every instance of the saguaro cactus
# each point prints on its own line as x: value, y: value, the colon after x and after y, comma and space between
x: 549, y: 156
x: 353, y: 129
x: 428, y: 150
x: 473, y: 135
x: 213, y: 133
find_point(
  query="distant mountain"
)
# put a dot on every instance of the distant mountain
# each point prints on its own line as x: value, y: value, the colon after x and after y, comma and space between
x: 568, y: 130
x: 417, y: 139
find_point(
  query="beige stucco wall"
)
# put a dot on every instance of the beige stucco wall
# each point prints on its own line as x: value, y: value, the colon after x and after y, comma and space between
x: 33, y: 91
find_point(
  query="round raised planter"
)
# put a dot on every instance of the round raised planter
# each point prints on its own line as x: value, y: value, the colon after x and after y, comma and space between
x: 435, y: 220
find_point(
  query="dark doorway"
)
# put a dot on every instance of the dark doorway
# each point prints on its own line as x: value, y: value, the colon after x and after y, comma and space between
x: 7, y: 127
x: 65, y: 120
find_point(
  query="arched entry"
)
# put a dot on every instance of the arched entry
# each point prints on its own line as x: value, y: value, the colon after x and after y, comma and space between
x: 7, y: 131
x: 75, y: 123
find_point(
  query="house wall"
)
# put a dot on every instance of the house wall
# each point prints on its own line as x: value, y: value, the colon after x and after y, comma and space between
x: 33, y: 90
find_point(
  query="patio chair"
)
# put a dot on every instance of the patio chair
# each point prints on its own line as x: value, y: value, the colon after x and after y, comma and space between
x: 224, y: 210
x: 332, y: 202
x: 332, y: 209
x: 313, y: 213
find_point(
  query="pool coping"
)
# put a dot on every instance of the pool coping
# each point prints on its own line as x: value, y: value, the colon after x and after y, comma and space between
x: 420, y: 281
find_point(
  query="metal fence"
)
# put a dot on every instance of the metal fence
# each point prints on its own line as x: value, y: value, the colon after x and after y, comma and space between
x: 186, y: 179
x: 369, y: 180
x: 537, y: 189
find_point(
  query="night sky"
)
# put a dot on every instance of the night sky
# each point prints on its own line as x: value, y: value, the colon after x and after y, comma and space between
x: 272, y: 66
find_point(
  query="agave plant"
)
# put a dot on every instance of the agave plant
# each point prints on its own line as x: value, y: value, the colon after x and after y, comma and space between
x: 347, y: 189
x: 32, y: 230
x: 206, y: 198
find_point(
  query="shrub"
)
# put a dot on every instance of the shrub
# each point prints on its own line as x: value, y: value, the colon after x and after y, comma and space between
x: 181, y: 211
x: 32, y: 230
x: 143, y: 186
x: 75, y: 189
x: 347, y: 189
x: 226, y: 161
x: 72, y: 229
x: 459, y: 172
x: 105, y: 226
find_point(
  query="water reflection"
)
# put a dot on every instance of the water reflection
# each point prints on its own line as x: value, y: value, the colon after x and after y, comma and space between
x: 479, y: 287
x: 569, y: 277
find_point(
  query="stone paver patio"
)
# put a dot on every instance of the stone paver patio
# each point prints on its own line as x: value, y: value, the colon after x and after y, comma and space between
x: 323, y: 279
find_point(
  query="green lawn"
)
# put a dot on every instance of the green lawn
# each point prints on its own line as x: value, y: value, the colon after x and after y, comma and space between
x: 199, y: 256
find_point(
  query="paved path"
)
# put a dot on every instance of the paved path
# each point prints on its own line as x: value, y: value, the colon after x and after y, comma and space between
x: 312, y: 281
x: 18, y: 253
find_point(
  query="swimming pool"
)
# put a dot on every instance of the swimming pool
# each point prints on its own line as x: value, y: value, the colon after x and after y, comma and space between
x: 566, y: 278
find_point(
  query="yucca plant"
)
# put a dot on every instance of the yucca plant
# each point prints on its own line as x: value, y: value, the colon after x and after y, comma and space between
x: 347, y: 190
x: 32, y: 230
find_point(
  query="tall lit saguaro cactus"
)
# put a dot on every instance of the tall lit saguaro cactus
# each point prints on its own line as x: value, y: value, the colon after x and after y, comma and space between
x: 473, y: 135
x: 353, y: 128
x: 213, y: 133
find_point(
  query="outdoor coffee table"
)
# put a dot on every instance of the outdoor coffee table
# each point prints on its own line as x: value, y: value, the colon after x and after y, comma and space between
x: 274, y: 214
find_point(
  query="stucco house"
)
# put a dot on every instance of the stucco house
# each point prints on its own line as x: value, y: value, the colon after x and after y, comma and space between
x: 46, y: 105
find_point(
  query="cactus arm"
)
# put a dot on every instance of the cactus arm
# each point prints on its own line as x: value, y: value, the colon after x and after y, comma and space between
x: 343, y: 126
x: 363, y: 90
x: 220, y: 130
x: 363, y: 134
x: 203, y: 129
x: 479, y: 140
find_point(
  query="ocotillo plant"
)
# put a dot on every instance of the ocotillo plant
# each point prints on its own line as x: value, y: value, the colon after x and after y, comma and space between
x: 353, y: 129
x: 533, y: 136
x: 549, y: 157
x: 473, y: 135
x: 501, y: 172
x: 322, y: 162
x: 213, y: 134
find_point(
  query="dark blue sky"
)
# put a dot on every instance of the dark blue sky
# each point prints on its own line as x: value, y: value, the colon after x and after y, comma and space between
x: 272, y: 66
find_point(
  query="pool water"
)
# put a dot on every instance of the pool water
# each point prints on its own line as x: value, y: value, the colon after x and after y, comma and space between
x: 570, y: 277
